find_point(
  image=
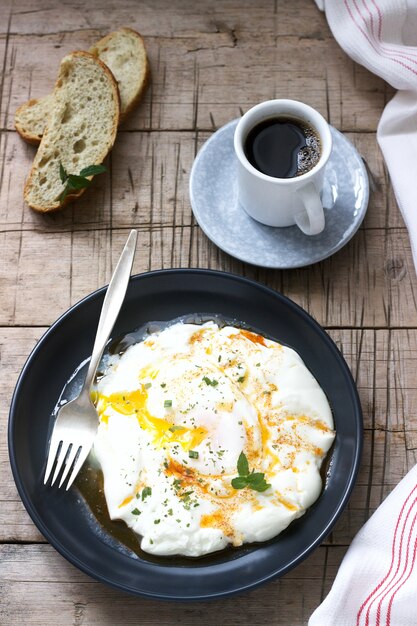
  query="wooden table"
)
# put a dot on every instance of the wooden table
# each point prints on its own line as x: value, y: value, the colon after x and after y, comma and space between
x: 210, y: 62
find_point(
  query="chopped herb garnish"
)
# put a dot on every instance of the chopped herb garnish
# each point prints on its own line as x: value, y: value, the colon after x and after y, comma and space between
x: 253, y: 480
x: 258, y: 365
x: 193, y: 454
x: 148, y: 385
x: 146, y: 491
x: 240, y: 379
x: 167, y: 404
x: 163, y: 385
x: 175, y: 428
x: 135, y: 512
x: 157, y: 521
x: 170, y: 512
x: 211, y: 382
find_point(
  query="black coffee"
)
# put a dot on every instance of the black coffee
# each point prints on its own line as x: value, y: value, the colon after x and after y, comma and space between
x: 282, y: 147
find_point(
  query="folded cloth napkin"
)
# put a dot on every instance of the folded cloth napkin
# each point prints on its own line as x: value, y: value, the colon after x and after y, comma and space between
x: 382, y: 36
x: 376, y: 584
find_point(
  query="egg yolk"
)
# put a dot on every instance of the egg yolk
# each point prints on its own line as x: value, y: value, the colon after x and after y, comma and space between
x: 162, y: 431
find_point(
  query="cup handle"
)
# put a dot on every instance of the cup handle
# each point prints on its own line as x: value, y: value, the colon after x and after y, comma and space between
x: 310, y: 219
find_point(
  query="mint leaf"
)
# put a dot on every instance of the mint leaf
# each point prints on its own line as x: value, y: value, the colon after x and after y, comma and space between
x: 64, y: 194
x: 262, y: 487
x: 254, y: 477
x: 92, y: 170
x: 257, y: 481
x: 239, y: 482
x: 254, y: 480
x: 62, y: 173
x: 74, y: 181
x: 242, y: 465
x: 78, y: 182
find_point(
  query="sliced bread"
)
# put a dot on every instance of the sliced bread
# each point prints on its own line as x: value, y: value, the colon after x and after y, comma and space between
x: 124, y: 53
x: 31, y: 117
x: 81, y: 129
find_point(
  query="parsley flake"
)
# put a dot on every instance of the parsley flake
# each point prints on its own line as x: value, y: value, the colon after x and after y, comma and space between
x: 211, y: 382
x: 174, y: 428
x: 146, y: 491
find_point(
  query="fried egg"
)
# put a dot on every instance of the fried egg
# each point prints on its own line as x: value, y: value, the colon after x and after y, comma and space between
x: 209, y: 436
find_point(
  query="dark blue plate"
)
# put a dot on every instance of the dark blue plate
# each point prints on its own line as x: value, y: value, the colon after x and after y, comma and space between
x: 165, y: 295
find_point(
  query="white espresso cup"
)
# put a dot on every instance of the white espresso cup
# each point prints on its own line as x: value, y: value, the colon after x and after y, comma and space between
x: 283, y: 201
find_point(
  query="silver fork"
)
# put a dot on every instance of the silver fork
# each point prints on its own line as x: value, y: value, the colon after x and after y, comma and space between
x: 76, y: 422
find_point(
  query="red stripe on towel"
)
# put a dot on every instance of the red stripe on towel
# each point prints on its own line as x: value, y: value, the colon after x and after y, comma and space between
x: 374, y: 44
x: 393, y: 556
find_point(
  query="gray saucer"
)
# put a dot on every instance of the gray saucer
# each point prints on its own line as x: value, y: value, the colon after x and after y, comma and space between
x: 213, y: 195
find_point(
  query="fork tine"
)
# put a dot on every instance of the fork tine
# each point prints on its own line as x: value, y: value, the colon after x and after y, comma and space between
x: 61, y: 456
x: 53, y: 449
x: 69, y: 461
x: 78, y: 464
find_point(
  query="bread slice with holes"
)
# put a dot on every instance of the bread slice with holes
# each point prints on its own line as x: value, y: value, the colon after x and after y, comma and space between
x: 124, y: 53
x: 81, y: 129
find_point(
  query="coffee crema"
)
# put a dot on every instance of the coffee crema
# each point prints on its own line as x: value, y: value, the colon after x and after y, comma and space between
x: 283, y: 147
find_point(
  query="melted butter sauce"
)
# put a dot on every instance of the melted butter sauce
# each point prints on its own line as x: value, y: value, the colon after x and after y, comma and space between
x: 89, y: 481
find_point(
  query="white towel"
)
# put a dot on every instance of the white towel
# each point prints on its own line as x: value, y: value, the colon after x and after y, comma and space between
x: 376, y: 584
x: 381, y: 35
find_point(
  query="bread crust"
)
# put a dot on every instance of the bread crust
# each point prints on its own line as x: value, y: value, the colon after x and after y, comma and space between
x: 73, y: 196
x: 26, y: 135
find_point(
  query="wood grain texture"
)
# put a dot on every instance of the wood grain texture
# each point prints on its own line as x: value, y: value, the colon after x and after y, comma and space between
x: 210, y: 62
x: 76, y: 599
x: 365, y: 284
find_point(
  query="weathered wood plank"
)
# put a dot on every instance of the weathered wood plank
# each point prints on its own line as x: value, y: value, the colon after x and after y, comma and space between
x: 198, y: 73
x: 39, y: 587
x: 366, y: 284
x: 147, y: 184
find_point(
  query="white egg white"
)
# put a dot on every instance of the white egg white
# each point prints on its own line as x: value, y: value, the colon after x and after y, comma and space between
x: 177, y: 411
